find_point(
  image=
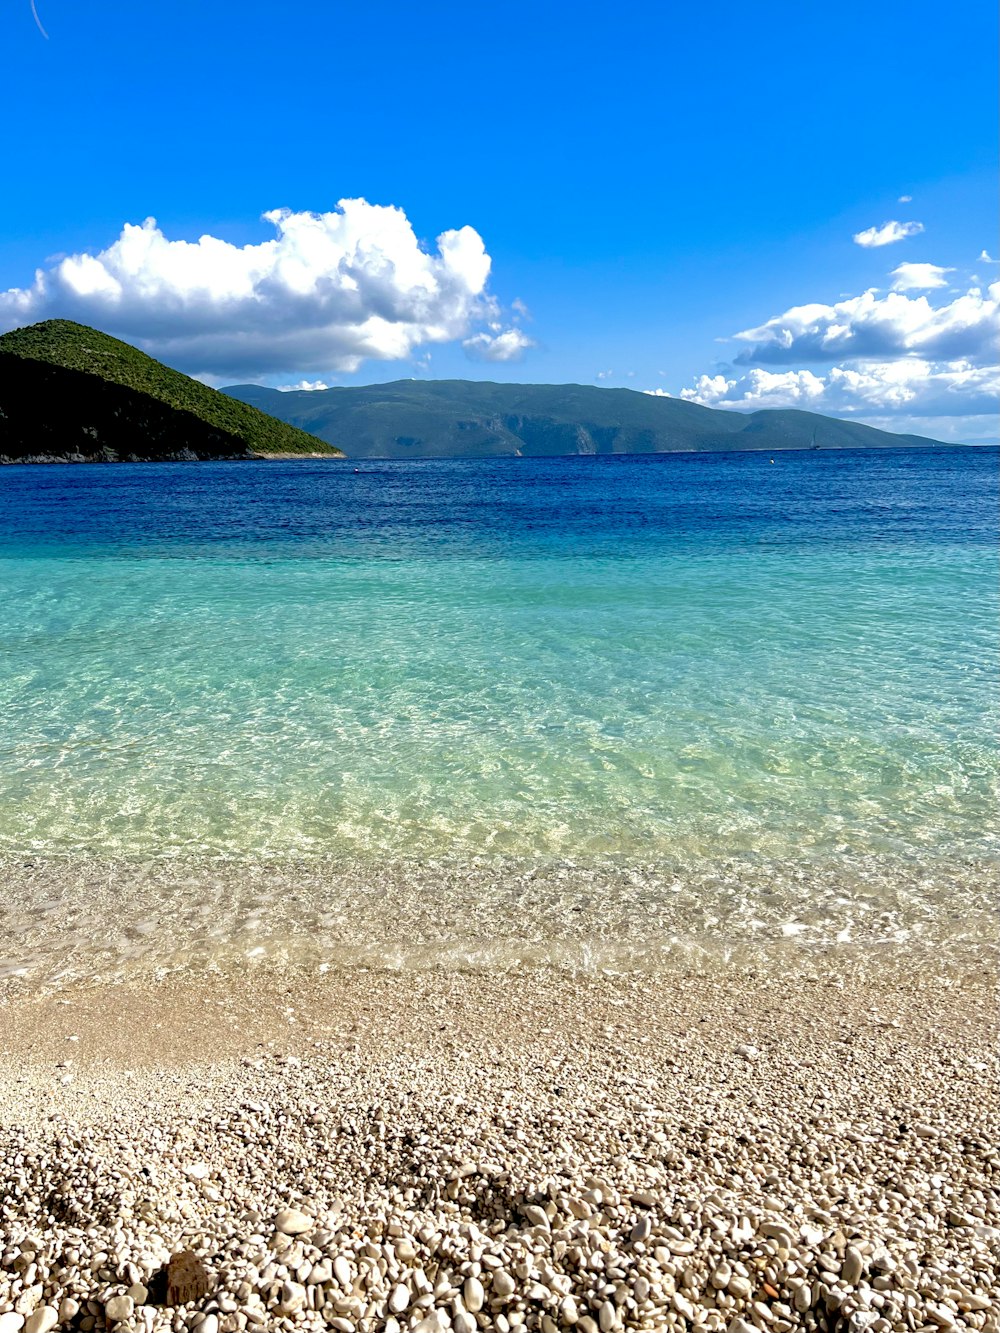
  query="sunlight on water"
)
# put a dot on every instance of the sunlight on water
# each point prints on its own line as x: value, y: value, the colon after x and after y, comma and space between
x: 676, y: 661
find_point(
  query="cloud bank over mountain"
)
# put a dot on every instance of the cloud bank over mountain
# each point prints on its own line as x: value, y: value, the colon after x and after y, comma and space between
x: 328, y: 292
x: 920, y: 363
x: 919, y: 387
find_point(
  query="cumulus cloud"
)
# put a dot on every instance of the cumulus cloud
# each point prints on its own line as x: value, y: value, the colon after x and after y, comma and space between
x: 905, y: 199
x: 874, y: 327
x: 925, y: 388
x: 327, y: 292
x: 303, y: 386
x: 887, y: 234
x: 896, y: 361
x: 918, y: 277
x: 506, y: 345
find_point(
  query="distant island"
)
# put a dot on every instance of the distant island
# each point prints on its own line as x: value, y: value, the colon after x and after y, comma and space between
x: 470, y: 418
x: 71, y: 394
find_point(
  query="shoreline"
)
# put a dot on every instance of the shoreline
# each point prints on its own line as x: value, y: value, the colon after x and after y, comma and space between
x: 538, y: 1150
x: 78, y: 921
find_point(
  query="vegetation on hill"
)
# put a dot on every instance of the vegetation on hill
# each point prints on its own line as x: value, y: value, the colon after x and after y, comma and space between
x: 69, y: 391
x: 453, y: 418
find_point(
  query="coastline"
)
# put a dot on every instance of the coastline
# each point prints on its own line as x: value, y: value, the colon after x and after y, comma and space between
x: 542, y: 1149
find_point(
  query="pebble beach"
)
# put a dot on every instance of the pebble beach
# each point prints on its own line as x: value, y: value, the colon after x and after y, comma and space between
x: 815, y: 1147
x: 537, y: 894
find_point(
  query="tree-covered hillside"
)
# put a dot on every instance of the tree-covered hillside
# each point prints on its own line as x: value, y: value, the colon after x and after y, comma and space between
x: 68, y: 391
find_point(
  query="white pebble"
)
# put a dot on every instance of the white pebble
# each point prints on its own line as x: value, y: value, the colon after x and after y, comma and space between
x: 399, y: 1299
x: 291, y: 1222
x: 42, y: 1320
x: 473, y: 1294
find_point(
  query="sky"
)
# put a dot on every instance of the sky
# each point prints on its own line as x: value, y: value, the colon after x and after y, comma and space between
x: 786, y: 205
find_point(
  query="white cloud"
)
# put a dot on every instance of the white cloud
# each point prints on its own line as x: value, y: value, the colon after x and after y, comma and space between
x: 887, y: 234
x: 329, y: 291
x: 918, y: 277
x: 879, y: 328
x: 510, y: 345
x: 756, y: 389
x: 901, y: 362
x: 984, y: 258
x: 905, y: 199
x: 303, y: 386
x: 914, y: 387
x: 603, y: 374
x: 519, y: 308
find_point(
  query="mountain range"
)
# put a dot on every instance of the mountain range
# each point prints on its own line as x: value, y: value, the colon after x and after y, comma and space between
x: 456, y: 418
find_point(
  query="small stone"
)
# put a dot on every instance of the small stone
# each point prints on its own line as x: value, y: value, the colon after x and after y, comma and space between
x: 861, y: 1320
x: 463, y: 1322
x: 938, y: 1314
x: 117, y: 1309
x: 503, y: 1284
x: 779, y: 1233
x: 642, y: 1229
x: 473, y: 1295
x: 739, y: 1286
x: 607, y: 1317
x: 568, y: 1313
x: 41, y: 1320
x: 210, y: 1324
x: 853, y: 1266
x: 11, y: 1322
x: 535, y: 1216
x: 399, y: 1299
x: 882, y: 1261
x: 293, y: 1297
x: 683, y: 1306
x: 138, y: 1293
x: 291, y: 1222
x: 342, y: 1271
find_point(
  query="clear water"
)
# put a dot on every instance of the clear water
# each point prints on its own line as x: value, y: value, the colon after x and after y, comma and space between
x: 691, y: 670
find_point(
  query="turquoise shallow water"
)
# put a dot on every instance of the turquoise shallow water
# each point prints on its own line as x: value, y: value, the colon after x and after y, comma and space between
x: 678, y: 660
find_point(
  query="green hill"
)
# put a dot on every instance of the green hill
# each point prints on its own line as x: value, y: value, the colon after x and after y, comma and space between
x: 70, y: 393
x: 454, y: 418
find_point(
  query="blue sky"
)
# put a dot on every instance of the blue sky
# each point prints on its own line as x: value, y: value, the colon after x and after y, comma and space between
x: 621, y: 190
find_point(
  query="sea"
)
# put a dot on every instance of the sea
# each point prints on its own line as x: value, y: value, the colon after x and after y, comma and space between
x: 630, y: 711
